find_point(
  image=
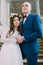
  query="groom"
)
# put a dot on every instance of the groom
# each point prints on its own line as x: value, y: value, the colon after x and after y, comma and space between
x: 31, y: 31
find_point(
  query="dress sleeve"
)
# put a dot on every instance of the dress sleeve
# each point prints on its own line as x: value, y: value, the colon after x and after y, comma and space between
x: 3, y: 37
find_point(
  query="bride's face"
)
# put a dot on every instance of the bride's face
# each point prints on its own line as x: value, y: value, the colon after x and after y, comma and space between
x: 16, y: 22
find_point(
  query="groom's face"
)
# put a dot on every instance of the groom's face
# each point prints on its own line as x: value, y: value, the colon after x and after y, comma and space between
x: 26, y: 7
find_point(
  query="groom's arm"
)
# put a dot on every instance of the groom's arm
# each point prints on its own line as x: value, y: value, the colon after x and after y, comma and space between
x: 37, y: 30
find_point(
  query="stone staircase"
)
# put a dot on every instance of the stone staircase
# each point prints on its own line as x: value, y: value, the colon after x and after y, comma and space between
x: 40, y: 55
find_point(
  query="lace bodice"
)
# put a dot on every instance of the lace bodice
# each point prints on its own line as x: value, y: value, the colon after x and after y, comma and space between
x: 15, y: 34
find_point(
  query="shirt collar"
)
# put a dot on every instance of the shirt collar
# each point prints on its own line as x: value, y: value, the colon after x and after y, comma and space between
x: 28, y: 14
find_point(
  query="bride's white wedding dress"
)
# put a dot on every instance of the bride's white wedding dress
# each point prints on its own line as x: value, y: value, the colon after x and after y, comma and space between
x: 10, y: 53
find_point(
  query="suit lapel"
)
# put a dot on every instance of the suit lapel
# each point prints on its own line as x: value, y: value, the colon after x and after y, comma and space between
x: 27, y: 20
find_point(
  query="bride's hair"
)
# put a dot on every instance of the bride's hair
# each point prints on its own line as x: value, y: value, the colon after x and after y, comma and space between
x: 12, y: 25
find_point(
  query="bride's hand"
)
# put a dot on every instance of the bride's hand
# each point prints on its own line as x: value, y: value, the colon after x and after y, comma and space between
x: 20, y: 39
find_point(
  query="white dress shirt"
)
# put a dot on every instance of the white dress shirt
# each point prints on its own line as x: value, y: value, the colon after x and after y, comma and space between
x: 25, y: 18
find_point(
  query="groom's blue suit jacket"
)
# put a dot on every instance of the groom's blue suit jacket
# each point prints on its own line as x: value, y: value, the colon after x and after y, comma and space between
x: 31, y: 30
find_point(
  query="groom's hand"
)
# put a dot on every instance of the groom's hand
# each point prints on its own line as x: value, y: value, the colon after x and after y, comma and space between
x: 20, y: 39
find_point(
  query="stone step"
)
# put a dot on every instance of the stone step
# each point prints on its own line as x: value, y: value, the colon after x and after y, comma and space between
x: 41, y: 51
x: 40, y: 56
x: 40, y: 62
x: 40, y: 39
x: 41, y: 46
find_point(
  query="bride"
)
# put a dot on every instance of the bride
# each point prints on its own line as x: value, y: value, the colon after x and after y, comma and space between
x: 10, y: 53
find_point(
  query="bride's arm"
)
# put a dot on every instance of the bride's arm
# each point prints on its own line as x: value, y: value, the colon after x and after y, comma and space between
x: 4, y: 39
